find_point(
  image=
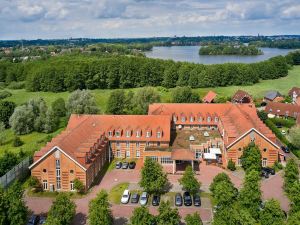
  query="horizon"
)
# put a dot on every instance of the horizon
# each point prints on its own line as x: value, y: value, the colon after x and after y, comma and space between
x: 62, y: 19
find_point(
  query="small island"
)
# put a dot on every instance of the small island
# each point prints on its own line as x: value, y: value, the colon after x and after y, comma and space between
x: 229, y: 49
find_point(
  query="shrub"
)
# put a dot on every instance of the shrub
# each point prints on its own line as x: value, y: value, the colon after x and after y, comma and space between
x: 79, y: 186
x: 33, y: 182
x: 5, y: 94
x: 16, y: 85
x: 231, y: 165
x: 17, y: 142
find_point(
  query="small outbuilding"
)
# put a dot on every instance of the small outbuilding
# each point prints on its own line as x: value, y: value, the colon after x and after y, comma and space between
x: 273, y: 96
x: 209, y: 97
x: 241, y: 97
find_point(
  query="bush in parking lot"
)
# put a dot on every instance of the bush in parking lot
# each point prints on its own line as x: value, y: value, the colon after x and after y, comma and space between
x: 141, y: 215
x: 99, y: 211
x: 231, y: 165
x: 193, y: 219
x: 189, y: 182
x: 167, y: 215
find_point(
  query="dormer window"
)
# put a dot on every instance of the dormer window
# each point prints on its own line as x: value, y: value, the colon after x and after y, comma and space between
x: 118, y: 133
x: 128, y: 133
x: 216, y: 119
x: 110, y: 133
x: 183, y: 119
x: 158, y: 134
x: 148, y: 134
x: 208, y: 119
x: 174, y: 118
x: 191, y: 119
x: 138, y: 133
x: 200, y: 119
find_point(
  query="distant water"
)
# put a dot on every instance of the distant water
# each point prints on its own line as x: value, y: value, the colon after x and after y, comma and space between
x: 191, y: 54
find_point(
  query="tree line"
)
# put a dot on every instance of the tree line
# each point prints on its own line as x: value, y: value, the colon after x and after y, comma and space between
x: 229, y: 49
x: 68, y: 73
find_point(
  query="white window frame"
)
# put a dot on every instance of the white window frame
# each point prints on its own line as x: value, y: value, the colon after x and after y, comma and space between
x: 216, y: 119
x: 138, y: 133
x: 128, y: 133
x: 110, y: 133
x: 138, y: 153
x: 148, y: 143
x: 148, y: 134
x: 158, y: 134
x: 137, y: 144
x: 127, y: 154
x: 127, y: 144
x: 183, y: 119
x: 45, y: 185
x: 118, y: 133
x: 208, y: 119
x: 264, y: 162
x: 117, y: 144
x: 166, y: 160
x: 239, y: 162
x: 174, y: 118
x: 118, y: 153
x: 72, y: 186
x: 191, y: 119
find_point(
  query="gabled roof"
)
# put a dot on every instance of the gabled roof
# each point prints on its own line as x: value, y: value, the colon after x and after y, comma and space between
x: 209, y: 97
x: 271, y: 95
x: 240, y: 95
x: 296, y: 90
x: 281, y: 109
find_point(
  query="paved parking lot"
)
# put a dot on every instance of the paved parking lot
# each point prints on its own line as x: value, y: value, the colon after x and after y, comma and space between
x: 272, y: 188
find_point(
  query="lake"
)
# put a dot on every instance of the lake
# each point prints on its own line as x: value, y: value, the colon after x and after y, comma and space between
x: 191, y: 54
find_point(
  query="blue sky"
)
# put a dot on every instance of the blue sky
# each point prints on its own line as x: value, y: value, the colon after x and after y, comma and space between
x: 31, y: 19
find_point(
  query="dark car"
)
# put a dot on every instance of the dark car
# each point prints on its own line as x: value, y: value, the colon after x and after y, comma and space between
x: 42, y: 220
x: 33, y: 220
x: 131, y: 165
x: 155, y: 200
x: 264, y: 174
x: 187, y: 198
x: 178, y: 199
x: 125, y: 165
x: 118, y: 165
x: 135, y: 198
x: 197, y: 199
x: 269, y: 170
x: 285, y: 149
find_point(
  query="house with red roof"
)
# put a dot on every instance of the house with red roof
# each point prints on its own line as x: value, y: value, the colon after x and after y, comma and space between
x: 170, y: 134
x: 209, y: 97
x: 294, y: 93
x: 241, y: 97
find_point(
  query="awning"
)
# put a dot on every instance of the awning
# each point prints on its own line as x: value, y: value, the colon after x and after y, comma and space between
x: 215, y: 151
x: 210, y: 156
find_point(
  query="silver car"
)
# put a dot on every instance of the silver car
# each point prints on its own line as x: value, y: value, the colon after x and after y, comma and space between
x: 144, y: 199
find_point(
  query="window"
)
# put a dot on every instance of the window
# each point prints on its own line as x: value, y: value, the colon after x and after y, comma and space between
x: 72, y: 186
x: 198, y: 154
x: 216, y: 119
x: 57, y: 163
x: 128, y: 133
x: 118, y: 134
x: 71, y: 171
x: 182, y: 119
x: 119, y: 154
x: 44, y: 170
x: 166, y: 160
x: 174, y: 118
x: 191, y: 119
x: 200, y: 119
x: 239, y: 162
x: 138, y: 153
x: 240, y: 149
x: 148, y: 134
x: 158, y: 144
x: 137, y: 144
x: 110, y: 133
x: 155, y: 158
x: 58, y: 180
x: 138, y: 133
x: 208, y: 119
x: 45, y: 184
x: 58, y: 183
x: 265, y: 149
x: 147, y: 144
x: 158, y: 135
x: 264, y: 162
x: 127, y: 144
x: 127, y: 154
x: 118, y: 144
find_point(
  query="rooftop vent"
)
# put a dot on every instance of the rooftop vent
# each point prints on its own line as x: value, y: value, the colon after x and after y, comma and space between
x: 192, y: 138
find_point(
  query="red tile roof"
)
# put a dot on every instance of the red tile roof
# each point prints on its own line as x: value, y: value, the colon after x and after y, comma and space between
x: 283, y: 109
x: 83, y: 131
x: 294, y: 89
x: 182, y: 154
x: 209, y: 97
x: 240, y: 95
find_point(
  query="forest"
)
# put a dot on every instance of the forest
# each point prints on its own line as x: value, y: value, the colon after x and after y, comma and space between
x: 282, y: 44
x: 73, y: 72
x: 229, y: 49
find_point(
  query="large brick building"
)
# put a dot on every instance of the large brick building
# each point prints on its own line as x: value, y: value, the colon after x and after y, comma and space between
x: 170, y: 133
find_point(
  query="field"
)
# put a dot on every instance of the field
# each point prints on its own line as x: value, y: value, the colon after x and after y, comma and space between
x: 35, y: 140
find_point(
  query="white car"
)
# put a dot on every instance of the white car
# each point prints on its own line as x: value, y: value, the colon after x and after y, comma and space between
x: 283, y: 132
x: 144, y: 199
x: 125, y: 197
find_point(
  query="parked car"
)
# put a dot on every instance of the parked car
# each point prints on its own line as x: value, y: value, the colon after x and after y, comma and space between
x: 269, y: 170
x: 187, y: 199
x: 135, y: 198
x: 178, y: 199
x: 144, y: 199
x: 42, y: 220
x: 155, y: 200
x: 283, y: 132
x: 125, y: 165
x: 132, y: 165
x: 33, y: 220
x: 264, y: 174
x: 118, y: 165
x: 197, y: 199
x: 285, y: 149
x: 125, y: 197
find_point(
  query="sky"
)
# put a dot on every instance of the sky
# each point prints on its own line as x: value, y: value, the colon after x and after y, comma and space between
x: 50, y: 19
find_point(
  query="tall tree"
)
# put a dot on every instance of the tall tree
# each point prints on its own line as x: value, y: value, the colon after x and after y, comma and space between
x: 62, y: 210
x: 291, y: 175
x: 22, y: 120
x: 99, y: 211
x: 294, y: 135
x: 167, y: 215
x: 116, y: 102
x: 251, y: 158
x: 143, y: 98
x: 272, y: 213
x: 153, y: 178
x: 141, y: 215
x: 6, y: 110
x: 81, y: 102
x: 184, y: 95
x: 189, y: 182
x: 193, y: 219
x: 59, y: 107
x: 2, y: 133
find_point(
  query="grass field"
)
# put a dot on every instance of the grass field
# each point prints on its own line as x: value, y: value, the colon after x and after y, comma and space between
x: 116, y: 193
x: 34, y: 141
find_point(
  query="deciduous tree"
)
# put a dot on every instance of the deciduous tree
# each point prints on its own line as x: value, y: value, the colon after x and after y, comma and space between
x: 193, y: 219
x: 141, y: 215
x: 272, y: 213
x: 167, y: 215
x: 251, y: 158
x: 188, y: 181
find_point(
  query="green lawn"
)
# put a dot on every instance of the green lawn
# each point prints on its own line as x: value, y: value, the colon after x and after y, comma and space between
x: 35, y: 140
x: 116, y: 193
